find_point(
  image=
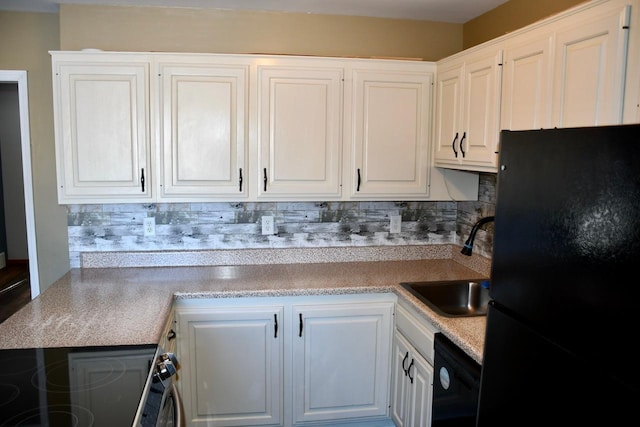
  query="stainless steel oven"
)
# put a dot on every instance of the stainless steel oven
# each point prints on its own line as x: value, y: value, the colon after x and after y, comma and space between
x: 160, y: 405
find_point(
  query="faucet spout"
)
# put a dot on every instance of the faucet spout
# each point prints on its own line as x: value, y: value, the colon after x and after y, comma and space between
x: 468, y: 245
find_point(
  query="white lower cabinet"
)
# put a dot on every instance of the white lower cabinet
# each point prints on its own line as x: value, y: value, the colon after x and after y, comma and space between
x: 231, y: 361
x: 411, y: 371
x: 341, y: 361
x: 286, y: 361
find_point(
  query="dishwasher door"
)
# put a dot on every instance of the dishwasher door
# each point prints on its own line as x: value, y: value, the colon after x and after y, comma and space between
x: 456, y: 386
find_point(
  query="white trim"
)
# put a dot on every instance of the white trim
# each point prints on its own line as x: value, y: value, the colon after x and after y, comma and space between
x: 20, y: 77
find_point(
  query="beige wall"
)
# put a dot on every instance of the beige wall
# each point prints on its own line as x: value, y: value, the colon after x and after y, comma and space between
x: 26, y: 40
x: 224, y: 31
x: 511, y: 16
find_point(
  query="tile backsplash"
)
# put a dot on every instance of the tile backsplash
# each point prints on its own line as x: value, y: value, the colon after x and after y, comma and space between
x: 226, y: 225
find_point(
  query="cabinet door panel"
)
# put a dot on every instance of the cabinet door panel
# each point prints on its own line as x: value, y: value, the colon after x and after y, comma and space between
x: 480, y: 126
x: 590, y: 68
x: 422, y: 394
x: 299, y: 123
x: 448, y: 115
x: 203, y: 130
x: 400, y: 391
x: 233, y: 372
x: 391, y: 133
x: 102, y: 131
x: 341, y: 361
x: 526, y: 85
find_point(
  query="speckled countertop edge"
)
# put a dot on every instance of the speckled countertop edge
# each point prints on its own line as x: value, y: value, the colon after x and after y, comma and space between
x: 114, y: 306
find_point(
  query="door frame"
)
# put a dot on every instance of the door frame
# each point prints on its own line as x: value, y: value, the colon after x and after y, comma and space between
x: 20, y: 77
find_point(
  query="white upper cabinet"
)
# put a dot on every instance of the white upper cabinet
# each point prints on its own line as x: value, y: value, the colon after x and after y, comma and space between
x: 527, y: 83
x: 590, y: 66
x: 577, y: 68
x: 467, y: 110
x: 391, y: 131
x: 299, y: 131
x: 203, y: 130
x: 101, y: 111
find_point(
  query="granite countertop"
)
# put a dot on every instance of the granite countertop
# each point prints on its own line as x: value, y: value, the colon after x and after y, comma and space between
x: 116, y: 306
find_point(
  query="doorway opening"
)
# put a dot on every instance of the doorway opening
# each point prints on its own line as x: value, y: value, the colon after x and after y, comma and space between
x: 20, y: 271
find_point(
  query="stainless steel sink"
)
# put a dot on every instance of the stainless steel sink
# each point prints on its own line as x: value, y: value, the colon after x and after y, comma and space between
x: 456, y: 298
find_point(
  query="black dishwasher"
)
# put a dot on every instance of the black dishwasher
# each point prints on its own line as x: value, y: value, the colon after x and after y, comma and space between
x: 456, y: 386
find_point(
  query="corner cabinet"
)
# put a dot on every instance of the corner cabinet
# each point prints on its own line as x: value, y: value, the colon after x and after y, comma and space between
x: 412, y: 370
x: 467, y: 111
x: 391, y: 133
x: 286, y: 361
x: 102, y: 128
x: 576, y: 68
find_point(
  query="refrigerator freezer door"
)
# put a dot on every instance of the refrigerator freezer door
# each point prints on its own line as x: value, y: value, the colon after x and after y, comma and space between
x: 529, y: 381
x: 567, y: 238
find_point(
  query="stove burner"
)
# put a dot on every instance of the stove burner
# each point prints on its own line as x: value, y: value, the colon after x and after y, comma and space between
x: 19, y: 365
x: 105, y: 373
x: 67, y: 415
x: 9, y: 393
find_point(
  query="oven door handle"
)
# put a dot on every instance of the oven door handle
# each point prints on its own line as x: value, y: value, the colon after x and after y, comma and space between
x: 179, y: 415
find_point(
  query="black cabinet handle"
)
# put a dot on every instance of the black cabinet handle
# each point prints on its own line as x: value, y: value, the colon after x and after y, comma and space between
x: 264, y: 171
x: 275, y: 320
x: 171, y: 335
x: 453, y: 146
x: 409, y: 371
x: 240, y: 180
x: 142, y: 180
x: 464, y: 136
x: 358, y: 188
x: 300, y: 333
x: 406, y: 356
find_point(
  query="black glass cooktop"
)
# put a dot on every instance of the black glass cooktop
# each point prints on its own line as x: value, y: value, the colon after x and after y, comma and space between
x: 73, y: 386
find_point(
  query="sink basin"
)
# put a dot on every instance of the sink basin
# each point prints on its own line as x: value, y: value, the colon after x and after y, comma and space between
x: 456, y: 298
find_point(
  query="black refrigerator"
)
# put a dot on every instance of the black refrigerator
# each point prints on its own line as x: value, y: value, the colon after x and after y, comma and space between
x: 564, y: 318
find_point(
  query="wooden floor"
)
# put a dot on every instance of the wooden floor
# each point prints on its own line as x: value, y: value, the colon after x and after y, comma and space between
x: 15, y: 289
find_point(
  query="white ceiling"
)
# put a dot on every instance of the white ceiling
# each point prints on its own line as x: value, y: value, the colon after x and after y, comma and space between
x: 454, y: 11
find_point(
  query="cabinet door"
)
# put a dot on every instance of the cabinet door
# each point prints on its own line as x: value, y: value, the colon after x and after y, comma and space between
x: 448, y: 114
x: 527, y: 82
x: 412, y: 385
x: 420, y: 374
x: 391, y: 133
x: 400, y: 386
x: 590, y: 64
x: 481, y: 110
x: 467, y: 115
x: 203, y: 130
x: 299, y: 127
x: 232, y: 368
x: 101, y: 114
x: 341, y: 360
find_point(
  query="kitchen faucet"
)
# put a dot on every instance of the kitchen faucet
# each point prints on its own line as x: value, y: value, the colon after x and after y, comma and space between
x: 468, y: 245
